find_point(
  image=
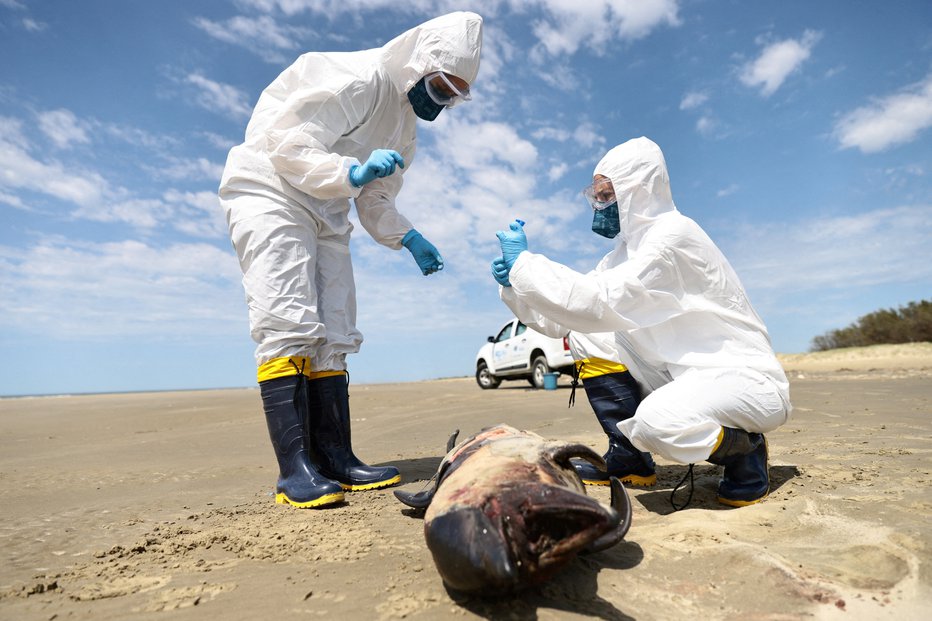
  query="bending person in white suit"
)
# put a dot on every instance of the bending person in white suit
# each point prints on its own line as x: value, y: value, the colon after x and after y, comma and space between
x: 332, y: 127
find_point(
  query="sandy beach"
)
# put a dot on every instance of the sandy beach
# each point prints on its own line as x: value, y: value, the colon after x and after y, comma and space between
x: 159, y: 506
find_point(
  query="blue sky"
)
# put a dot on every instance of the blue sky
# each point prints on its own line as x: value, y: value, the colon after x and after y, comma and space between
x: 797, y: 134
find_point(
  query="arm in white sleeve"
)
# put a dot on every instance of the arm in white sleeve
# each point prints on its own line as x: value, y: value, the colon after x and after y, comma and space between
x: 375, y: 206
x: 301, y: 138
x: 635, y: 294
x: 529, y: 316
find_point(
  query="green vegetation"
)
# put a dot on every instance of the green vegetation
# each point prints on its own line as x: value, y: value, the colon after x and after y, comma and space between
x: 908, y: 324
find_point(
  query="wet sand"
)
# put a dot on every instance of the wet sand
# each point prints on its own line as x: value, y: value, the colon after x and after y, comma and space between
x: 159, y: 506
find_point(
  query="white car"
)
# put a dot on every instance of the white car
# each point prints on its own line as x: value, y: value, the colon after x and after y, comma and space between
x: 519, y: 353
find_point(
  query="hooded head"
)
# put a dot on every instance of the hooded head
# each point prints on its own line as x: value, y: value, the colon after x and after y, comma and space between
x: 450, y: 43
x: 639, y: 176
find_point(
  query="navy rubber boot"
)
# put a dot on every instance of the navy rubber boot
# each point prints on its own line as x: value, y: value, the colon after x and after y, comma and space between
x: 614, y: 397
x: 331, y: 442
x: 284, y: 400
x: 746, y: 479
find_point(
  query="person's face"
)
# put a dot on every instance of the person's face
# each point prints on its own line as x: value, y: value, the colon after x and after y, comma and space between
x: 602, y: 189
x: 440, y: 85
x: 446, y: 90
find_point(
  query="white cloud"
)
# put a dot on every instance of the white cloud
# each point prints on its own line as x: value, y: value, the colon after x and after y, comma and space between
x: 97, y: 199
x: 556, y: 172
x: 12, y: 4
x: 558, y: 134
x: 889, y: 121
x: 221, y: 142
x: 142, y: 213
x: 82, y: 290
x: 777, y: 61
x: 340, y: 7
x: 571, y: 24
x: 497, y: 51
x: 33, y: 26
x: 11, y: 132
x: 706, y: 125
x: 136, y: 137
x: 197, y: 214
x: 727, y: 191
x: 198, y: 168
x: 837, y: 253
x: 588, y: 137
x: 262, y: 35
x: 560, y: 76
x: 20, y: 170
x: 693, y: 99
x: 566, y: 25
x: 216, y: 96
x: 63, y: 128
x: 13, y: 201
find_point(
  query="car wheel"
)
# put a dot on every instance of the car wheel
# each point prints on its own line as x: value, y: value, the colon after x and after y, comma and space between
x: 539, y: 368
x: 485, y: 379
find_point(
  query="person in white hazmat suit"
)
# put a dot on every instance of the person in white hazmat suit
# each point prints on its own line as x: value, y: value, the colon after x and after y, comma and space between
x: 332, y: 127
x: 702, y: 356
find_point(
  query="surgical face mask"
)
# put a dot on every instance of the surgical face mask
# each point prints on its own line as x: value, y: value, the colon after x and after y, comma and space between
x: 424, y: 106
x: 606, y: 222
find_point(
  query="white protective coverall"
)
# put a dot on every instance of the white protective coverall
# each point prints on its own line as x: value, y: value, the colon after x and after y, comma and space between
x: 285, y: 191
x: 597, y: 346
x: 677, y: 309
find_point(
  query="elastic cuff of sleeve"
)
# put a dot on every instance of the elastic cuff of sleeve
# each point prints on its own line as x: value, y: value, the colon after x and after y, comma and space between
x: 408, y: 237
x: 351, y: 171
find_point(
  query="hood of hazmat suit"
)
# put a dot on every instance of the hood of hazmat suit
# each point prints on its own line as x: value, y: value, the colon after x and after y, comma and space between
x: 329, y: 110
x: 666, y: 291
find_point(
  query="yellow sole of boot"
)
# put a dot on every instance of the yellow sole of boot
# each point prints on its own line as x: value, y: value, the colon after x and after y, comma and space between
x: 628, y: 480
x: 327, y: 499
x: 377, y: 485
x: 741, y: 503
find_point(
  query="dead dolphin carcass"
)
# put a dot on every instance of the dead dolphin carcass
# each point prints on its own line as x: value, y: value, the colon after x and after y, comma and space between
x: 507, y: 510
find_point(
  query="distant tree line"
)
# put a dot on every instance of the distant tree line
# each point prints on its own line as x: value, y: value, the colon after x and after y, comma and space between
x: 908, y: 324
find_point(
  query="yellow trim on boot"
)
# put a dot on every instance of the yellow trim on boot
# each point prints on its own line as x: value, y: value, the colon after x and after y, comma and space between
x: 741, y: 503
x: 377, y: 485
x: 326, y: 499
x: 631, y: 479
x: 319, y: 374
x: 594, y: 367
x: 291, y: 365
x: 718, y: 442
x: 284, y: 367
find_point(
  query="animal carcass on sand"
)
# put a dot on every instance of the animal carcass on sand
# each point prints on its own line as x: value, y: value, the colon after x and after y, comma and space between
x: 508, y: 510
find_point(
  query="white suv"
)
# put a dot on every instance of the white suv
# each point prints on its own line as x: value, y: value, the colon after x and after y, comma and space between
x: 519, y: 353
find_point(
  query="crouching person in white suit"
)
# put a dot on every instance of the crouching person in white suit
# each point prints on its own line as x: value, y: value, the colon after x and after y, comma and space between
x: 679, y: 313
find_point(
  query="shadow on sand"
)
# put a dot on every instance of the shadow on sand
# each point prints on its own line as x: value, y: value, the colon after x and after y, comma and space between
x: 705, y: 493
x: 574, y: 589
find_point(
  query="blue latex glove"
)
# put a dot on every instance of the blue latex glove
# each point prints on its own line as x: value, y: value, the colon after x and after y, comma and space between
x: 513, y: 242
x: 500, y: 272
x: 424, y: 252
x: 381, y: 163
